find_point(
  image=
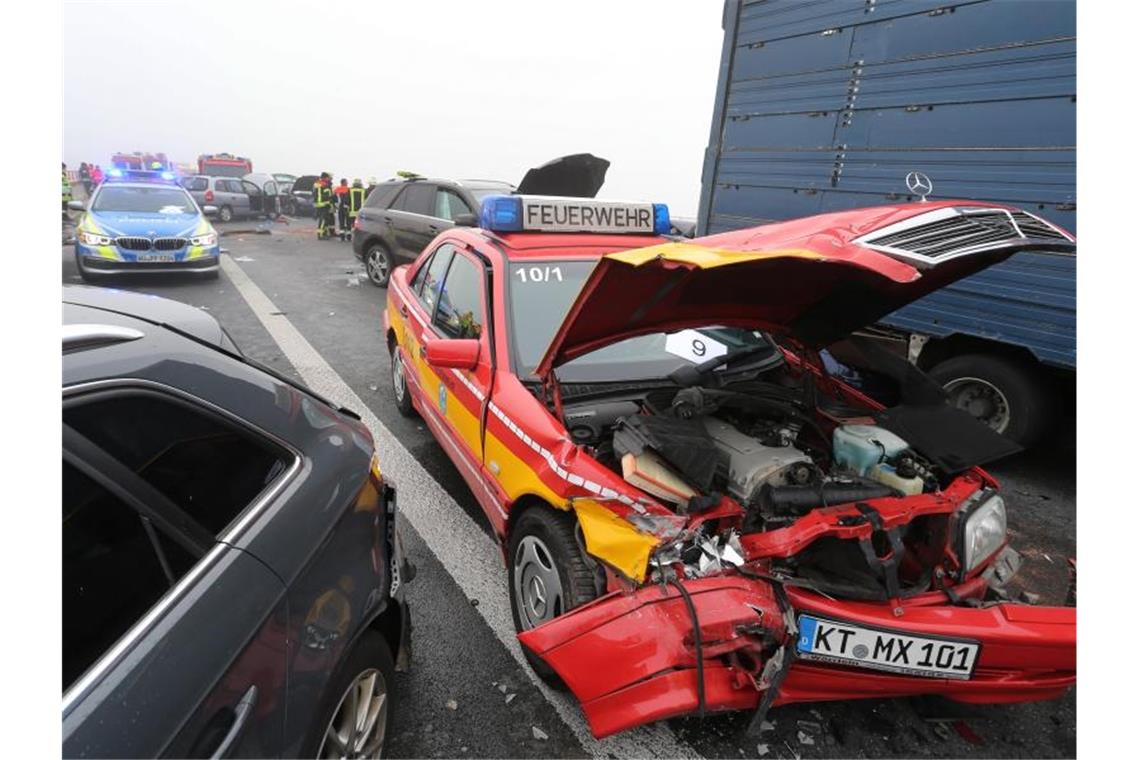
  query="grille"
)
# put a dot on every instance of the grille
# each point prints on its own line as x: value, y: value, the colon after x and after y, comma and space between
x: 134, y: 243
x: 953, y: 234
x: 1031, y: 226
x: 169, y: 244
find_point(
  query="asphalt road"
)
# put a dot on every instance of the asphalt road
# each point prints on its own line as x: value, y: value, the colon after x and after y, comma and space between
x: 456, y: 699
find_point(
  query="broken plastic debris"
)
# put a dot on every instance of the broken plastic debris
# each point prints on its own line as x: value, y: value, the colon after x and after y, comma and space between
x: 510, y: 698
x: 761, y: 750
x: 332, y: 313
x: 452, y: 704
x: 805, y: 738
x: 1030, y: 598
x: 539, y: 733
x: 503, y: 688
x: 767, y: 725
x: 243, y: 258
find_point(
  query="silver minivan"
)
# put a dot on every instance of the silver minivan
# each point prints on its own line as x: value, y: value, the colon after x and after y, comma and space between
x: 234, y: 198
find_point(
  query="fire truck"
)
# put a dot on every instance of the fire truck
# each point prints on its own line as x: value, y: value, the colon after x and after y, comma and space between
x: 139, y: 161
x: 224, y: 165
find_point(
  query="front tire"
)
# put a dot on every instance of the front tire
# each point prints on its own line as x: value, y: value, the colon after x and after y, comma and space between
x: 353, y: 716
x: 400, y: 392
x: 548, y: 576
x: 1000, y: 392
x: 378, y: 264
x: 83, y: 273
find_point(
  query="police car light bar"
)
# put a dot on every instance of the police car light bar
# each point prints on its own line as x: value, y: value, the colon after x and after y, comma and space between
x: 536, y: 213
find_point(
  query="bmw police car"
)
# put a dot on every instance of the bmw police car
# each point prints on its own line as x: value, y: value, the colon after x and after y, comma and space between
x: 144, y: 222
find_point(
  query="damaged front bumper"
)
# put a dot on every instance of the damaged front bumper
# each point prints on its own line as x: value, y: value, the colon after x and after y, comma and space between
x: 632, y: 658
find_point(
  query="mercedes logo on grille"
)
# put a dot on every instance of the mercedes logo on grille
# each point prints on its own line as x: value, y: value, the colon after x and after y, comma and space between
x: 919, y: 184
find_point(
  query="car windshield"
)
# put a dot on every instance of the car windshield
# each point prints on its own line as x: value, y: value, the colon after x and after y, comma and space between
x: 540, y: 295
x: 482, y: 192
x: 144, y: 200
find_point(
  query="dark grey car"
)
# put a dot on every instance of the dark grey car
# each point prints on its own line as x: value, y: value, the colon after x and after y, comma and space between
x: 232, y: 570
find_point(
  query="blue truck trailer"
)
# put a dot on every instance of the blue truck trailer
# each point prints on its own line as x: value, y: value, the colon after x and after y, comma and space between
x: 823, y: 105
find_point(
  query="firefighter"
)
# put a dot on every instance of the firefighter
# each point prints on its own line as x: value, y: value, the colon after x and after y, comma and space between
x: 341, y: 199
x: 356, y: 196
x: 322, y: 203
x: 66, y: 190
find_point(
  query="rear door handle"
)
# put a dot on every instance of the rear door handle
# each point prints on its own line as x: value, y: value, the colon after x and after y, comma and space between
x: 243, y: 713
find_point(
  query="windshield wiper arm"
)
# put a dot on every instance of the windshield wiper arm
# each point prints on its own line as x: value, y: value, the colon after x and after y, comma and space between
x: 691, y: 375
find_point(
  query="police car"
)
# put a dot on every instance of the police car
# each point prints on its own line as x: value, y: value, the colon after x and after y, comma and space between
x: 695, y: 515
x: 144, y: 221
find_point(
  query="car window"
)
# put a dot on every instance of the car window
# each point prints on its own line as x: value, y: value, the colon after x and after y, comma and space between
x: 271, y: 188
x: 115, y: 567
x: 449, y: 205
x: 421, y: 275
x: 195, y: 183
x: 433, y: 280
x: 144, y: 200
x: 382, y: 195
x: 209, y: 468
x: 418, y: 198
x: 249, y: 188
x: 460, y: 312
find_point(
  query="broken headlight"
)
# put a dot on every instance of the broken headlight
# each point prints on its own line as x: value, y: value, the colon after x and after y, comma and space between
x: 983, y: 531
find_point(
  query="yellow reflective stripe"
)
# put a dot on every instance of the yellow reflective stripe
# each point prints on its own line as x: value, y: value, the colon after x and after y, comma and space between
x: 196, y: 251
x: 703, y: 257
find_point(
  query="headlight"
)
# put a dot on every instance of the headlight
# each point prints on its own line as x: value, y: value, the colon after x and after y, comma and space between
x: 207, y: 240
x: 90, y: 238
x: 983, y: 532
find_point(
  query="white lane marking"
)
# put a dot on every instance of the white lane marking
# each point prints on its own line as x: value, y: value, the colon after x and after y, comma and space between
x: 466, y: 552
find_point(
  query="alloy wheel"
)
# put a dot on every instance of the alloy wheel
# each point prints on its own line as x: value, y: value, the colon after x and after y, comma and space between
x: 359, y: 723
x: 537, y: 585
x: 377, y: 265
x: 399, y: 383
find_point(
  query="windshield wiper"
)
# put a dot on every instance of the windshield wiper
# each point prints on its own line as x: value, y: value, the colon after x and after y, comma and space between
x: 690, y: 375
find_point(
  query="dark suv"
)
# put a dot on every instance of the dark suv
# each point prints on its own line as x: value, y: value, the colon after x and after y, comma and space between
x: 400, y: 217
x: 232, y: 571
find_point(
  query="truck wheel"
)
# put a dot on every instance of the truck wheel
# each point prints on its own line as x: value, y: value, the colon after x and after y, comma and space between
x: 400, y: 390
x: 225, y: 214
x: 548, y: 576
x: 378, y: 263
x: 998, y: 391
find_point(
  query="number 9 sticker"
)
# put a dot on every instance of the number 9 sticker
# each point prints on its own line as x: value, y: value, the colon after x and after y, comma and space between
x: 694, y: 346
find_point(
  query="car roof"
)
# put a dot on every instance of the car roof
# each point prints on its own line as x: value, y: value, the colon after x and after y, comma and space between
x: 552, y: 245
x: 133, y: 183
x: 477, y: 184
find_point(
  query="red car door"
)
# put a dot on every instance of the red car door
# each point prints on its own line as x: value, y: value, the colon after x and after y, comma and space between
x: 450, y: 306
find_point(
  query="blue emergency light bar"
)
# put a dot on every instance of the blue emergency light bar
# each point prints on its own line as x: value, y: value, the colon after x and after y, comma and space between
x: 141, y: 175
x: 537, y: 213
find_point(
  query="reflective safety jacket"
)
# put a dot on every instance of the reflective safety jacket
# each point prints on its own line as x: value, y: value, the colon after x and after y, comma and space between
x: 355, y: 200
x: 66, y: 187
x: 322, y: 195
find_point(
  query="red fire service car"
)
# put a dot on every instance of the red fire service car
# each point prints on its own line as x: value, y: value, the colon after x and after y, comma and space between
x: 224, y: 165
x: 696, y: 516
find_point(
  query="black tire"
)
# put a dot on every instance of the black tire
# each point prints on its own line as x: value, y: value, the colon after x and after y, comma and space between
x: 225, y: 214
x: 556, y: 530
x: 399, y: 383
x: 369, y: 652
x: 378, y: 264
x: 1027, y: 399
x: 83, y: 274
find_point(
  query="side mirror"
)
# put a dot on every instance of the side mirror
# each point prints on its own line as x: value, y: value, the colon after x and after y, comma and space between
x: 466, y: 220
x: 457, y: 353
x: 77, y: 205
x: 209, y: 210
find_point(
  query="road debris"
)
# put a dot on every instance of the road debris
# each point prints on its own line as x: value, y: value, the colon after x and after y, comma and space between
x: 332, y: 313
x: 940, y: 730
x: 243, y: 258
x: 761, y: 750
x: 805, y: 738
x: 1030, y: 598
x: 539, y: 733
x: 373, y: 388
x: 503, y: 688
x: 510, y: 698
x: 452, y: 704
x: 767, y: 725
x: 967, y: 733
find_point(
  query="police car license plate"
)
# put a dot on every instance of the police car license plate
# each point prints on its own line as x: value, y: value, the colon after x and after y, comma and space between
x: 878, y: 649
x: 156, y: 258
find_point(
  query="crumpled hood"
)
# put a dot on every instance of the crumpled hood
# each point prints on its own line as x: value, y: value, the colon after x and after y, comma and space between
x: 117, y: 223
x: 815, y: 280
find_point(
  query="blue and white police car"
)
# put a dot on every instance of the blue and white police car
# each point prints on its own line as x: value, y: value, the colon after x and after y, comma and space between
x: 140, y: 221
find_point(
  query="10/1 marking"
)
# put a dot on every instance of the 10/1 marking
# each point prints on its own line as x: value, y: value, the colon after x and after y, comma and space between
x: 539, y: 273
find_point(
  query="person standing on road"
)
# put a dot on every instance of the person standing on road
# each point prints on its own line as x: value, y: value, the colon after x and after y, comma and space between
x: 65, y: 189
x: 322, y: 202
x: 97, y: 176
x: 356, y: 197
x: 341, y: 193
x: 85, y: 177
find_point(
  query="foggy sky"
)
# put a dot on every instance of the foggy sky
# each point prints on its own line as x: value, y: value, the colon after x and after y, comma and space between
x: 480, y: 89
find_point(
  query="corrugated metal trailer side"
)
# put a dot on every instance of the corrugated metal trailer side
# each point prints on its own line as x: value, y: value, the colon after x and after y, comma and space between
x: 827, y: 104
